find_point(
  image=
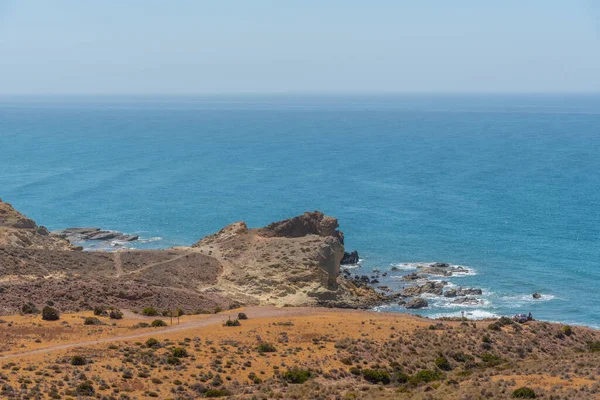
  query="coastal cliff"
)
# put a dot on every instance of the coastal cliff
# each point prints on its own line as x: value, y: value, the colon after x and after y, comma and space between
x: 294, y: 262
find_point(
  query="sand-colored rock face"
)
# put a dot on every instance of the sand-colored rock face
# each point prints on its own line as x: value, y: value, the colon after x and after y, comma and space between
x: 290, y: 262
x: 16, y: 230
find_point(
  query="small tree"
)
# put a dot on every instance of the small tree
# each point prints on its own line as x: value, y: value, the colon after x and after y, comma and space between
x: 50, y: 314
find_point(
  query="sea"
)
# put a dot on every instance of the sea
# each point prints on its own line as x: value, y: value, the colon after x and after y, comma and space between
x: 507, y: 186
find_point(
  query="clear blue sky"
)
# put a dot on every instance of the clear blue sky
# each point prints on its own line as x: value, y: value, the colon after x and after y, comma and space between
x: 147, y: 46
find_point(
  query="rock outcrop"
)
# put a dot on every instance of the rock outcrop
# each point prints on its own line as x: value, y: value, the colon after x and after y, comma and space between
x: 416, y: 303
x: 75, y: 235
x: 16, y: 230
x: 428, y: 287
x: 463, y: 292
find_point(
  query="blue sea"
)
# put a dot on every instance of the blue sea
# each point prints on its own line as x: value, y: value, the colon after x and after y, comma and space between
x: 506, y: 185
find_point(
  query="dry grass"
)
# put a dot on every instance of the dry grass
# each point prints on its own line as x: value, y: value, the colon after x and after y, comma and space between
x: 329, y: 348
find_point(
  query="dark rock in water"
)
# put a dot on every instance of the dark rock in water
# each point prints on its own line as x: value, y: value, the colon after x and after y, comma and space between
x: 413, y: 277
x: 442, y: 269
x: 536, y: 295
x: 427, y: 287
x: 416, y: 303
x: 466, y: 301
x: 350, y: 258
x: 395, y: 269
x: 463, y: 292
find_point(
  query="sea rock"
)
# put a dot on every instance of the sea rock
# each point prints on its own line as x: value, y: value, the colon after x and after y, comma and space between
x: 428, y: 287
x: 536, y: 295
x: 413, y: 277
x: 466, y: 301
x: 350, y: 258
x: 463, y: 292
x: 442, y: 269
x: 85, y: 234
x: 416, y: 303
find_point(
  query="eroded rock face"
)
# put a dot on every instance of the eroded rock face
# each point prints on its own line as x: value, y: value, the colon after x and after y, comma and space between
x: 309, y: 223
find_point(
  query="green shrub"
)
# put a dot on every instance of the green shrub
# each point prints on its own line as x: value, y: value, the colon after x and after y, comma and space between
x: 242, y: 316
x: 297, y: 375
x: 158, y: 322
x: 495, y: 327
x: 29, y: 308
x: 567, y: 330
x: 92, y: 321
x: 85, y: 389
x: 216, y: 393
x: 232, y: 322
x: 401, y: 377
x: 115, y: 314
x: 152, y: 342
x: 99, y: 310
x: 594, y: 346
x: 173, y: 360
x: 491, y: 359
x: 266, y: 348
x: 150, y: 312
x: 427, y: 376
x: 179, y: 352
x: 523, y: 393
x: 443, y: 364
x: 50, y: 314
x: 355, y: 371
x: 78, y: 360
x: 376, y: 376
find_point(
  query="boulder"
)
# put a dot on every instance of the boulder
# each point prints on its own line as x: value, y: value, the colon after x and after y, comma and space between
x: 463, y: 292
x: 471, y: 301
x: 416, y: 303
x: 536, y: 295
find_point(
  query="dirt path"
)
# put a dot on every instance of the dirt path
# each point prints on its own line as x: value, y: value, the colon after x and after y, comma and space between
x: 145, y: 267
x: 252, y: 312
x: 118, y: 264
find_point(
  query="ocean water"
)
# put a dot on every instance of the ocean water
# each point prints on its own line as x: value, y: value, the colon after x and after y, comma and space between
x: 508, y: 186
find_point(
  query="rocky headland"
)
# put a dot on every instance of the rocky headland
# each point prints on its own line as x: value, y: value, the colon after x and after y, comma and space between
x: 294, y: 262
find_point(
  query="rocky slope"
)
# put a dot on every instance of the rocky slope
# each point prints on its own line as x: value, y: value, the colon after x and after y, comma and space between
x: 291, y: 262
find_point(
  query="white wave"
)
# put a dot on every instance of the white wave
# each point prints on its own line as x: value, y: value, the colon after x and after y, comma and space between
x: 350, y: 266
x: 153, y: 239
x: 472, y: 314
x: 523, y: 299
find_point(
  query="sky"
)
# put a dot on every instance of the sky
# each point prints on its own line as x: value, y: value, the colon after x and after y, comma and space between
x: 298, y: 46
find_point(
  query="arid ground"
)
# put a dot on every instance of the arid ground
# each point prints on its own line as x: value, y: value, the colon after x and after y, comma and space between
x: 294, y: 353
